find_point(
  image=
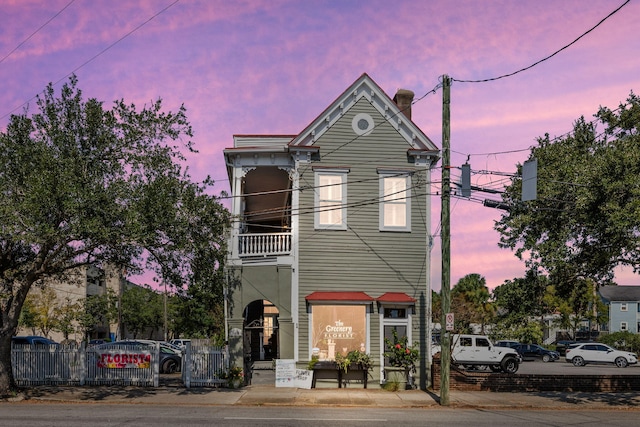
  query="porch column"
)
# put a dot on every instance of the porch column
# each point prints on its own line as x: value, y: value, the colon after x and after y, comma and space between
x: 286, y: 334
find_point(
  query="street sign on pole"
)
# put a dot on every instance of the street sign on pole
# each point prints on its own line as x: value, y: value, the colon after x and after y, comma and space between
x: 450, y: 322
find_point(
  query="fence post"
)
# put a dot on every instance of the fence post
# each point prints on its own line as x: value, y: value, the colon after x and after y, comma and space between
x: 156, y: 366
x: 82, y: 355
x: 187, y: 363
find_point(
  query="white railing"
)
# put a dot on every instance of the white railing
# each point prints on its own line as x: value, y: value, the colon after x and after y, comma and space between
x: 112, y: 364
x: 204, y: 366
x: 264, y: 244
x: 48, y: 364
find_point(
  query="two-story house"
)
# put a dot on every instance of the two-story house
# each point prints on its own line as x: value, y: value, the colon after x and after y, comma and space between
x: 624, y: 307
x: 329, y: 247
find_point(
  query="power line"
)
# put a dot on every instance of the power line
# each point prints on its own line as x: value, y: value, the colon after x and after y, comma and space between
x: 548, y: 57
x: 36, y: 31
x: 96, y: 55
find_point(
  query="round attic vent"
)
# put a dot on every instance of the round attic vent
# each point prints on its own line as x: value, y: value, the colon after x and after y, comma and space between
x: 362, y: 124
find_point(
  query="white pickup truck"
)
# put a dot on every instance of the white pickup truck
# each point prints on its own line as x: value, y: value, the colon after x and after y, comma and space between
x: 477, y: 351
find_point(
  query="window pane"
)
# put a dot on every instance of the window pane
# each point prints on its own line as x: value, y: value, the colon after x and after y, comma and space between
x: 395, y: 215
x: 394, y: 188
x: 338, y: 329
x: 330, y: 200
x: 394, y: 206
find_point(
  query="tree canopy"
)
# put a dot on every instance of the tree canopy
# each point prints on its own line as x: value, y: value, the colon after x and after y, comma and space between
x: 585, y: 220
x: 82, y: 184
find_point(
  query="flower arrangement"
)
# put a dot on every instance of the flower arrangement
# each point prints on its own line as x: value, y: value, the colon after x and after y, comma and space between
x: 356, y: 357
x: 234, y: 376
x: 400, y: 354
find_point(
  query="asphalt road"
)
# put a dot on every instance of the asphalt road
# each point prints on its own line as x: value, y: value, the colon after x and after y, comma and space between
x: 97, y: 415
x: 561, y: 367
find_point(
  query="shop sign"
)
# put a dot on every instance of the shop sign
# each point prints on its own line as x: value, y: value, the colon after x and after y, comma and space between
x: 124, y: 360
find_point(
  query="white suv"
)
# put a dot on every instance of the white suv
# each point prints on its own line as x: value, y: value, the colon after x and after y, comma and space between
x: 585, y: 353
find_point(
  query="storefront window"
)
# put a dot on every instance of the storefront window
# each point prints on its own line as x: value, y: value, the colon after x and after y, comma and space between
x: 338, y: 329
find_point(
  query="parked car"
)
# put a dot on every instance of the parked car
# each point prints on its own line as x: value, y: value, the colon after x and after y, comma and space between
x: 585, y: 353
x: 534, y: 351
x: 32, y: 340
x: 562, y: 345
x: 180, y: 343
x: 507, y: 343
x: 97, y: 342
x: 170, y: 358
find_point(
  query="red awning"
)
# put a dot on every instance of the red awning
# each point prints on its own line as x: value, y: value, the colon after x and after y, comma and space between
x: 396, y: 298
x: 337, y: 296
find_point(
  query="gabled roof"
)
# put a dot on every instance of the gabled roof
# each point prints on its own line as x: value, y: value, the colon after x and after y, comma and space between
x: 365, y: 87
x: 620, y: 293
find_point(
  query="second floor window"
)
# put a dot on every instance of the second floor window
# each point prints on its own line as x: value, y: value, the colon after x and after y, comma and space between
x: 395, y: 206
x: 331, y: 200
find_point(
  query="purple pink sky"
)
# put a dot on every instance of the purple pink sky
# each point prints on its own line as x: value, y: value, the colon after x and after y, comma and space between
x: 272, y: 66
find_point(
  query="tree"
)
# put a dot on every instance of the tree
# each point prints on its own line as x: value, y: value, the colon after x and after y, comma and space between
x: 67, y: 315
x: 471, y: 302
x: 84, y: 185
x: 584, y: 222
x: 45, y: 304
x: 97, y: 310
x: 142, y: 309
x: 28, y: 316
x: 200, y: 312
x: 518, y: 301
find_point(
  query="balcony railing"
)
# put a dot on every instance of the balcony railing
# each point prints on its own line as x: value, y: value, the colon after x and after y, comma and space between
x: 264, y: 244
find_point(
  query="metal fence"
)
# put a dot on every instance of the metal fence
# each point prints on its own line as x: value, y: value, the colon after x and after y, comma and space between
x: 47, y: 364
x: 204, y: 366
x: 136, y: 365
x: 126, y: 364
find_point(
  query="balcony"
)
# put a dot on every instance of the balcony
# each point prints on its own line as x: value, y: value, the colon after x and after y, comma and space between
x: 264, y: 244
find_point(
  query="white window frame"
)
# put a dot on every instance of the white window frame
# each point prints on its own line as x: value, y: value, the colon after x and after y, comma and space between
x: 367, y: 323
x: 389, y: 200
x: 322, y: 198
x: 623, y: 306
x: 407, y: 322
x: 624, y: 326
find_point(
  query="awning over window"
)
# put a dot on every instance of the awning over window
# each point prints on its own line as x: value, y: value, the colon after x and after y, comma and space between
x: 396, y: 298
x: 341, y: 297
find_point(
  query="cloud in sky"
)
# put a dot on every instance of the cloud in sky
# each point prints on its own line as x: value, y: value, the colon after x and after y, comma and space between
x: 246, y: 67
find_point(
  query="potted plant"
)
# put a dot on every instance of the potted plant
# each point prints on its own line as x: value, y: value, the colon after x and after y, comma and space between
x: 354, y: 357
x: 401, y: 360
x: 234, y: 377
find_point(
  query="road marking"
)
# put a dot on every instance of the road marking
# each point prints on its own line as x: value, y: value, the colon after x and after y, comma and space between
x: 366, y: 420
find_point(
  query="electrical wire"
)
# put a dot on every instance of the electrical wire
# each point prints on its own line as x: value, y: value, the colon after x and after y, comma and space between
x: 36, y: 31
x: 95, y: 56
x: 547, y: 57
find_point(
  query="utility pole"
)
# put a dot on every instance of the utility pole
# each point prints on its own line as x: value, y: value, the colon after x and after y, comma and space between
x: 165, y: 312
x: 446, y: 241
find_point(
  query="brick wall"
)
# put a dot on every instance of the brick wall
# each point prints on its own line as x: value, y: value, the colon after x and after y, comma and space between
x: 501, y: 382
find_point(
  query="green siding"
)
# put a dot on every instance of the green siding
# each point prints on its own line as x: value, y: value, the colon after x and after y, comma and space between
x: 362, y: 258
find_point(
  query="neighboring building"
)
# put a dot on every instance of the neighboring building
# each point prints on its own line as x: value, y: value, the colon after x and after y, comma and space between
x: 83, y: 282
x: 330, y: 243
x: 624, y: 307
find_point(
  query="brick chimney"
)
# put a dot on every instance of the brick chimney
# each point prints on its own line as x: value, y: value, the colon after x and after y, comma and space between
x: 403, y: 99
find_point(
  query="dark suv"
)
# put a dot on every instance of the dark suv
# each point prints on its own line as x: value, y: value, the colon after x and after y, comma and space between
x: 32, y: 340
x: 534, y: 351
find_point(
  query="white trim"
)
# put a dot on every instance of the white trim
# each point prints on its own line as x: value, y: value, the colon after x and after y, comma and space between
x: 624, y: 326
x: 397, y: 201
x: 358, y: 120
x: 330, y: 205
x: 295, y: 253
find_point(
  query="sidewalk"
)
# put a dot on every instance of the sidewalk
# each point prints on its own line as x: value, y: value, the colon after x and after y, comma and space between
x: 269, y: 395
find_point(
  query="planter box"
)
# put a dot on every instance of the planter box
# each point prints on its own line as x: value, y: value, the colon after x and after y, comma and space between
x: 330, y: 371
